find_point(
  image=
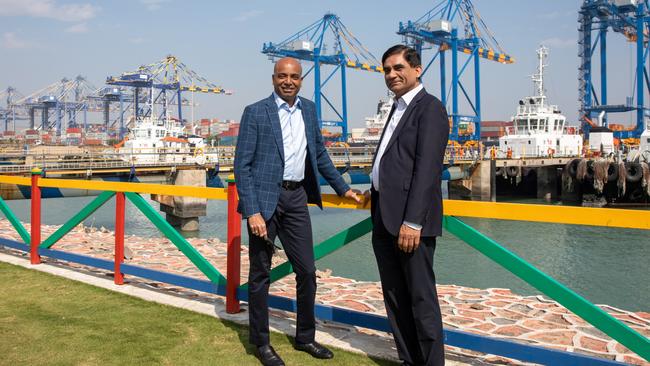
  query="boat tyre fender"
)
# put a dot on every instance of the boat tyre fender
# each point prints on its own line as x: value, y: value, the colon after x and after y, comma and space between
x: 636, y: 195
x: 573, y: 168
x: 512, y: 171
x: 634, y: 172
x: 500, y: 171
x: 612, y: 172
x: 589, y: 173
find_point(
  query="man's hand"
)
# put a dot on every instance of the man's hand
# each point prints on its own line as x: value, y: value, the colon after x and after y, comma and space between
x: 366, y: 198
x: 409, y: 239
x: 257, y: 225
x: 352, y: 195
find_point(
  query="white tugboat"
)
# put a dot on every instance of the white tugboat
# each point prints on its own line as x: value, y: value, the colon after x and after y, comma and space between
x: 539, y: 129
x: 162, y: 141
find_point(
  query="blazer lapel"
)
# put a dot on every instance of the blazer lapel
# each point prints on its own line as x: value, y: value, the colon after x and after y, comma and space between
x: 383, y: 132
x: 309, y: 123
x: 272, y: 110
x: 405, y: 117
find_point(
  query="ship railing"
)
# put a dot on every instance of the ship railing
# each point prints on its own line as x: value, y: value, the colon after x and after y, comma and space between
x: 58, y: 166
x: 463, y: 154
x: 230, y: 286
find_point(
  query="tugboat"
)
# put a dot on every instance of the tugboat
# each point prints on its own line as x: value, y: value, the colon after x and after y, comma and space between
x: 539, y: 129
x: 163, y: 141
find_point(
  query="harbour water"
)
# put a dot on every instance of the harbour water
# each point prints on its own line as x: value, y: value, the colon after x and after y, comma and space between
x: 606, y: 266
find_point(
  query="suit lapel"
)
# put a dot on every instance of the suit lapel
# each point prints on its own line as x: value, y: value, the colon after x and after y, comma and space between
x: 405, y: 117
x: 272, y: 110
x: 309, y: 123
x: 383, y: 132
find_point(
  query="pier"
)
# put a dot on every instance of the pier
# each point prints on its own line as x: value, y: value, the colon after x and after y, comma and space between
x: 465, y: 306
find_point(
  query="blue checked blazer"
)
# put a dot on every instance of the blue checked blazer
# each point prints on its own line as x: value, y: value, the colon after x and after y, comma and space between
x: 259, y: 159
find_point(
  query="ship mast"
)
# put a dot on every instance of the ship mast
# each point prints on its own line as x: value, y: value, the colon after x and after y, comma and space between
x: 538, y: 78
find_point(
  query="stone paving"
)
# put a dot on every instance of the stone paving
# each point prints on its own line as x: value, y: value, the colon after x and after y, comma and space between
x: 496, y: 312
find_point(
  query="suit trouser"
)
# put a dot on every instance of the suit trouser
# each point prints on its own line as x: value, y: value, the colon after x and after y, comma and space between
x: 291, y: 223
x: 408, y: 285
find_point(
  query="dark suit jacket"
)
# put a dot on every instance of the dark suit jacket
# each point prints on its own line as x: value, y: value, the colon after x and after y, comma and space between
x: 259, y: 158
x: 410, y: 169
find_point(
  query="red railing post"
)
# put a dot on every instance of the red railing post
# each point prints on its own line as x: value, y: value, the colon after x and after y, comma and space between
x: 120, y: 205
x: 35, y: 241
x: 234, y: 249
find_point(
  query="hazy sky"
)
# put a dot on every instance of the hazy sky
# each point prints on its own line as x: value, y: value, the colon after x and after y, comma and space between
x: 42, y: 41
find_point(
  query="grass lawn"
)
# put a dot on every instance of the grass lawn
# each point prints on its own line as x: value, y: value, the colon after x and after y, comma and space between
x: 49, y: 320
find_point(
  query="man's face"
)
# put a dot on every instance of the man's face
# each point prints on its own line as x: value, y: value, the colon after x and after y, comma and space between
x: 287, y: 78
x: 400, y: 77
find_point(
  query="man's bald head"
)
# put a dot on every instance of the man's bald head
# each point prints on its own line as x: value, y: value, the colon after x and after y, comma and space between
x: 287, y: 61
x: 287, y: 79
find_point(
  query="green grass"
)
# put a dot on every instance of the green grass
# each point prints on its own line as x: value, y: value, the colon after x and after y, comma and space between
x: 49, y: 320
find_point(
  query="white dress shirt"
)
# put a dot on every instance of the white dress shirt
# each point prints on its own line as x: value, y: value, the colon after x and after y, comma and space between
x: 294, y: 139
x: 400, y: 107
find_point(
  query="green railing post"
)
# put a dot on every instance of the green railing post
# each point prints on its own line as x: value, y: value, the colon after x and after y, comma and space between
x: 15, y: 222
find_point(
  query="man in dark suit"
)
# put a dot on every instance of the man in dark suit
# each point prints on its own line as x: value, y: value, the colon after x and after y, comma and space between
x: 406, y: 208
x: 279, y: 153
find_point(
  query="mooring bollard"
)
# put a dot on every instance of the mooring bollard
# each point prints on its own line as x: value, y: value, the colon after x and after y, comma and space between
x: 233, y: 261
x: 34, y: 258
x: 120, y: 205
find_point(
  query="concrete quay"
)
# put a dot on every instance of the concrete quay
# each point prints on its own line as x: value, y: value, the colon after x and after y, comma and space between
x: 495, y: 312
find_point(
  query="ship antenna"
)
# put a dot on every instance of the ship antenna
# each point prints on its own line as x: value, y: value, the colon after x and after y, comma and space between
x: 538, y: 78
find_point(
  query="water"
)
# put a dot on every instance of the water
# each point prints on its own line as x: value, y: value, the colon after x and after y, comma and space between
x: 606, y: 266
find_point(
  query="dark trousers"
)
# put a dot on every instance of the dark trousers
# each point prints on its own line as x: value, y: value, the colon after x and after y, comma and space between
x: 409, y: 288
x: 291, y: 223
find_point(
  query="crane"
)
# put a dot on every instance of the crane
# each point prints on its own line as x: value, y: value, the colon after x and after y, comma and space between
x: 10, y: 112
x: 631, y: 19
x: 309, y: 44
x: 66, y: 97
x: 438, y: 29
x: 166, y: 75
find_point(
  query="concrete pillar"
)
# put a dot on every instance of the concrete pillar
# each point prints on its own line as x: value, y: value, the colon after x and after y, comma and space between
x: 547, y: 182
x: 481, y: 186
x: 571, y: 188
x: 184, y: 212
x: 484, y: 181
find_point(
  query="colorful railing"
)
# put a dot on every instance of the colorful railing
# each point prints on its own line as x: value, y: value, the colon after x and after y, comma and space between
x: 230, y: 286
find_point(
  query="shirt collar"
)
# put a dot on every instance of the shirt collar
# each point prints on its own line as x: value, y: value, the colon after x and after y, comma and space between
x: 408, y: 97
x: 281, y: 103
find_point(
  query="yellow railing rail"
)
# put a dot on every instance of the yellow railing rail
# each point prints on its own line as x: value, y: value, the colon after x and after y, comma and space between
x: 607, y: 217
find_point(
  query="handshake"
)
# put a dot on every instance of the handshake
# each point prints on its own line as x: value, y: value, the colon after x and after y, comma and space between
x: 358, y: 196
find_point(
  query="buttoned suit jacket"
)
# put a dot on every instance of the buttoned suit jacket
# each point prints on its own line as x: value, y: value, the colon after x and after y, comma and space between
x: 410, y: 169
x: 259, y: 158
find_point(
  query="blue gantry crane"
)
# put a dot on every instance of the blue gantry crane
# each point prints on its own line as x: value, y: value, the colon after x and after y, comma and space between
x: 167, y: 76
x: 631, y: 19
x: 10, y: 113
x: 58, y: 101
x: 345, y: 51
x: 440, y: 30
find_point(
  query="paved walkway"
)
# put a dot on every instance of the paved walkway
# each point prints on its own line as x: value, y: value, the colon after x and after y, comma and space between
x: 496, y: 312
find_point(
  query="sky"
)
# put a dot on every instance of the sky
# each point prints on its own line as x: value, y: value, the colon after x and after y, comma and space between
x: 43, y: 41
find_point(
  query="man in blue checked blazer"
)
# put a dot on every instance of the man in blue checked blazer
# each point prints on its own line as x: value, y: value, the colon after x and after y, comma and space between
x: 279, y: 153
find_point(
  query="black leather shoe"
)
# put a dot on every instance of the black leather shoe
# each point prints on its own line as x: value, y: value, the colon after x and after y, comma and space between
x: 315, y: 349
x: 267, y: 355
